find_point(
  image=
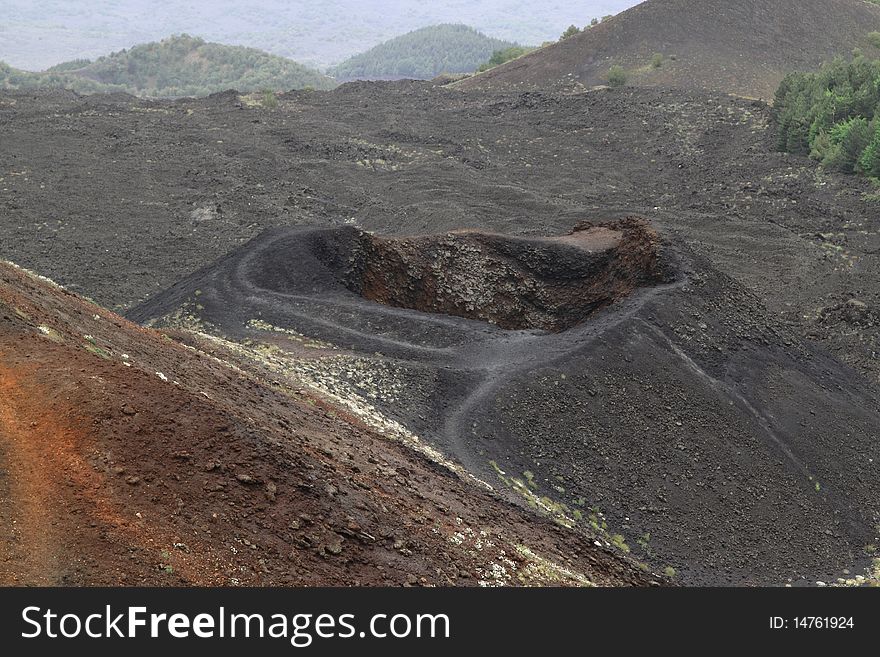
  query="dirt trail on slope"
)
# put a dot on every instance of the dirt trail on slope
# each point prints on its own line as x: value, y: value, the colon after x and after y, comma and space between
x: 55, y: 502
x: 31, y: 556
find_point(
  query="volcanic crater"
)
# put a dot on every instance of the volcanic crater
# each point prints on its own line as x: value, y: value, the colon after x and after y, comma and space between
x: 518, y: 283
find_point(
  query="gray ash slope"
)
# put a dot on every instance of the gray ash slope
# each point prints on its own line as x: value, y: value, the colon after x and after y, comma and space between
x: 682, y: 416
x: 120, y: 198
x: 742, y: 47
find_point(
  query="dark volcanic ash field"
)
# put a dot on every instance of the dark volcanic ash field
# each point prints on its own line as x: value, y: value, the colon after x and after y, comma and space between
x: 712, y: 406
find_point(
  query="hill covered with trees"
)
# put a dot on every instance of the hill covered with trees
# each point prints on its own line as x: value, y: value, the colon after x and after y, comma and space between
x: 60, y: 78
x: 423, y: 54
x: 178, y: 66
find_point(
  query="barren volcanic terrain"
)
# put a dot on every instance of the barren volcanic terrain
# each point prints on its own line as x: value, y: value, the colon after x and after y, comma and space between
x: 130, y: 459
x: 676, y: 416
x: 620, y: 309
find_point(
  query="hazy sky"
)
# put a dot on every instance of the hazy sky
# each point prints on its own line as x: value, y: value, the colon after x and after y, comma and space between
x: 35, y: 34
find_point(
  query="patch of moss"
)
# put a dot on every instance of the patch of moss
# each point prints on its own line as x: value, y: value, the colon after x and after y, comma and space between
x: 94, y: 349
x: 51, y: 334
x: 619, y: 542
x: 539, y: 568
x: 558, y: 511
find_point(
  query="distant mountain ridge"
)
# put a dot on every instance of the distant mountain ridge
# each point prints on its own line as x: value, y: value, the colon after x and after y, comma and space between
x: 423, y: 54
x: 743, y: 47
x: 37, y: 35
x: 180, y: 65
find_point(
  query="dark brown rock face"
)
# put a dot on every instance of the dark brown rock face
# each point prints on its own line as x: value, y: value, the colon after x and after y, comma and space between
x: 516, y: 283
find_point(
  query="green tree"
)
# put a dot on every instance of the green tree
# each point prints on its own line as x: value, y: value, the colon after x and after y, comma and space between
x: 852, y: 137
x: 869, y: 162
x: 571, y: 30
x: 501, y: 56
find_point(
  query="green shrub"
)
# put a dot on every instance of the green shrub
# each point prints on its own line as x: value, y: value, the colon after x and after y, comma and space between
x: 501, y: 56
x: 616, y: 76
x: 269, y: 99
x: 874, y: 39
x: 571, y: 30
x: 657, y: 60
x: 618, y: 541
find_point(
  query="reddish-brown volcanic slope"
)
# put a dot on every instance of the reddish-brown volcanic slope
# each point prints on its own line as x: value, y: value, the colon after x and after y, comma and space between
x: 743, y: 47
x: 179, y: 468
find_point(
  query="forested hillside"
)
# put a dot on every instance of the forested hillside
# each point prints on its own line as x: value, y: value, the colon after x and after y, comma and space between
x: 189, y: 66
x: 423, y: 54
x: 178, y: 66
x: 832, y: 115
x: 59, y: 77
